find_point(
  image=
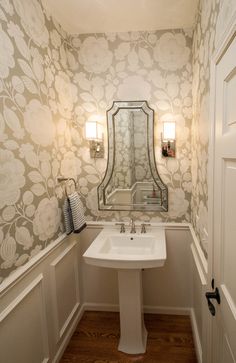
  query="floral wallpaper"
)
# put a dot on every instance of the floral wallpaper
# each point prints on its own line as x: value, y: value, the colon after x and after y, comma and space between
x: 213, y: 18
x: 36, y: 101
x: 52, y: 82
x: 152, y: 66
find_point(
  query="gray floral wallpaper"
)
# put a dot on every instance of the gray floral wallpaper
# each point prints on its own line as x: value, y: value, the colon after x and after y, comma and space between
x: 36, y: 101
x: 51, y: 83
x: 213, y: 18
x: 152, y: 66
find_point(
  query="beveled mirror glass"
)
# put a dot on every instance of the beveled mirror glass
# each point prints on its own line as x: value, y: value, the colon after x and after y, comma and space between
x: 131, y: 181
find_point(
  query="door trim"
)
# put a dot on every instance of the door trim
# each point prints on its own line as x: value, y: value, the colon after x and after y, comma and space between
x: 221, y: 48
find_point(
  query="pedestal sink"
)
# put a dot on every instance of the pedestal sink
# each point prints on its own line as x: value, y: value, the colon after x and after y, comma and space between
x: 129, y: 254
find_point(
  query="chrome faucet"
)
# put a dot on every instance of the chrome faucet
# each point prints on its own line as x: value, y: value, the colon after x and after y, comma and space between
x: 133, y: 227
x: 143, y: 227
x: 122, y: 227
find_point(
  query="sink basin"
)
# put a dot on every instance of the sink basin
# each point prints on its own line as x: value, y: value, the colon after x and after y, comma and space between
x: 129, y: 251
x: 129, y: 254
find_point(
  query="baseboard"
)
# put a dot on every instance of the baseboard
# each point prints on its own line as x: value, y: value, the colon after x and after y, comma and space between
x: 100, y: 307
x: 68, y: 335
x: 196, y: 336
x: 170, y: 310
x: 147, y: 309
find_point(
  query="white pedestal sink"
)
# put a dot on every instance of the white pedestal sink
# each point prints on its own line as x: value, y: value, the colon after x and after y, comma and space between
x: 129, y: 254
x: 133, y: 334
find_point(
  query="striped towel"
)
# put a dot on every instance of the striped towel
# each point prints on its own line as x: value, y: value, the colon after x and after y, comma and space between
x: 68, y: 217
x: 77, y: 212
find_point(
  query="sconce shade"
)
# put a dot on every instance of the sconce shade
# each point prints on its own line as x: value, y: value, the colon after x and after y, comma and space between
x: 169, y: 131
x: 168, y: 139
x: 94, y: 133
x: 93, y: 130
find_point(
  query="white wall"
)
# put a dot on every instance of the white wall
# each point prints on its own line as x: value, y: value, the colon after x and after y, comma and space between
x: 171, y: 286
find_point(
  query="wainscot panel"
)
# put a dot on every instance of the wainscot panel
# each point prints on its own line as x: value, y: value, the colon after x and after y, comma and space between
x: 40, y: 305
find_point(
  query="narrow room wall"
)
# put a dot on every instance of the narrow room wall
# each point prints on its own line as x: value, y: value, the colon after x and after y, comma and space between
x: 50, y: 84
x: 36, y: 100
x: 213, y: 19
x: 151, y: 66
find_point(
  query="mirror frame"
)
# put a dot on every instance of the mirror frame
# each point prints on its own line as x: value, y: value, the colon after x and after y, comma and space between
x: 102, y: 204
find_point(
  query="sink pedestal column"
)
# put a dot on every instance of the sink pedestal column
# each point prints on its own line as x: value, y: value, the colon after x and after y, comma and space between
x: 133, y: 334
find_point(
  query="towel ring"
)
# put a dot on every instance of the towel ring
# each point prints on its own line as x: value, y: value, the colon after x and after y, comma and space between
x: 66, y: 180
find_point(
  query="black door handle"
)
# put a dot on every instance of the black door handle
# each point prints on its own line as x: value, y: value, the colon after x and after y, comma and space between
x: 213, y: 295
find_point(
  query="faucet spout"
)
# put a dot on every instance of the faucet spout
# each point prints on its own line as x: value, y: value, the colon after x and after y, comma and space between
x: 133, y: 227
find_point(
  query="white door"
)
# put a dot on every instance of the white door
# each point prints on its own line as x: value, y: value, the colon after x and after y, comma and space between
x: 224, y: 205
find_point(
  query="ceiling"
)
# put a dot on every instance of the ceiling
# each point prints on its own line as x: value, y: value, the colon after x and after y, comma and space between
x: 98, y: 16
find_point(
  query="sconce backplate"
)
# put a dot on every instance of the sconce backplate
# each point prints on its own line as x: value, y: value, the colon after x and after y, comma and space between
x: 96, y: 149
x: 168, y: 149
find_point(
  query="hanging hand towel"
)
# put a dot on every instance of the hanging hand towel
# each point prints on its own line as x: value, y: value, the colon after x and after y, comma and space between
x: 77, y: 212
x: 68, y: 217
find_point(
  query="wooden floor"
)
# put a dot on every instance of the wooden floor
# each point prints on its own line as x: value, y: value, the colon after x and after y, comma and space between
x: 97, y: 335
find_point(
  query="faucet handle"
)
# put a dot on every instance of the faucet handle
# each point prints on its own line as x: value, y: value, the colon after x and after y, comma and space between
x: 122, y: 227
x: 143, y: 227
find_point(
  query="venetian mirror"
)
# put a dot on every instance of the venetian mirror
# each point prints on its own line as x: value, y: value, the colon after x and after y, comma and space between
x: 131, y: 181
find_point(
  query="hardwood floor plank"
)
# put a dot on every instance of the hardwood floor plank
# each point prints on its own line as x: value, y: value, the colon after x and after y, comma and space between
x: 97, y: 335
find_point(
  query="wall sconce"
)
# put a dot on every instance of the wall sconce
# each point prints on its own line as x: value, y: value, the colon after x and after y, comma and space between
x: 168, y: 139
x: 94, y: 133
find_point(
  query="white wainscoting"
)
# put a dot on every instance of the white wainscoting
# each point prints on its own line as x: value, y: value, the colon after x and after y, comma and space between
x: 27, y: 311
x: 40, y: 305
x: 199, y: 312
x: 176, y: 288
x: 65, y: 289
x: 169, y: 286
x: 42, y: 302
